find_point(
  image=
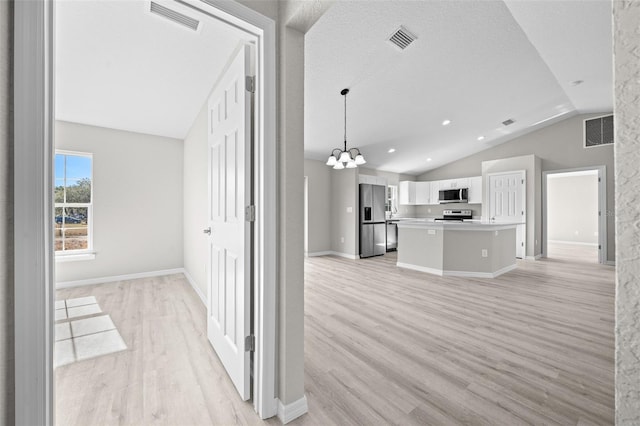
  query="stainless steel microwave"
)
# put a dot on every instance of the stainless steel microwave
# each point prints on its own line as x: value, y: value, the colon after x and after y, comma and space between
x: 458, y: 195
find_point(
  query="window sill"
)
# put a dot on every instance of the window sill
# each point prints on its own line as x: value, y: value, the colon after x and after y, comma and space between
x: 60, y: 258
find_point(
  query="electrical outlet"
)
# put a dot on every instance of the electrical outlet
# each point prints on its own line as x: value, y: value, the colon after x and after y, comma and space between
x: 428, y: 210
x: 485, y: 253
x: 536, y: 242
x: 431, y: 231
x: 342, y: 240
x: 349, y: 209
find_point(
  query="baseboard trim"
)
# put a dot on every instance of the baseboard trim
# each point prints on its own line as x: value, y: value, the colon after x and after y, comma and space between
x: 319, y: 253
x: 194, y: 286
x: 468, y: 274
x: 433, y: 271
x: 610, y: 263
x: 536, y: 257
x: 289, y: 412
x: 102, y: 280
x: 345, y: 255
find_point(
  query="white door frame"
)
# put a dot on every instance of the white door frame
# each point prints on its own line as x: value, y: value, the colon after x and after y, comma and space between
x: 602, y: 208
x: 34, y: 292
x: 524, y: 201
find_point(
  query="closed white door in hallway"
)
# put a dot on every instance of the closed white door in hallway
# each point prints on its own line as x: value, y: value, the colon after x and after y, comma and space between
x: 507, y: 204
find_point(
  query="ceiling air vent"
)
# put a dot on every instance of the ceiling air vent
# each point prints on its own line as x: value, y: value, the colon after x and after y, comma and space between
x: 402, y: 38
x: 508, y: 122
x: 177, y: 17
x: 598, y: 131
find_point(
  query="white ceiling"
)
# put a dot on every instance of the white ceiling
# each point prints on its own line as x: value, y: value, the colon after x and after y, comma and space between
x: 476, y: 63
x: 119, y: 66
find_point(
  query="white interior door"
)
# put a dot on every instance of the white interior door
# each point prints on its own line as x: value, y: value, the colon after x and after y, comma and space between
x: 507, y: 204
x: 229, y: 278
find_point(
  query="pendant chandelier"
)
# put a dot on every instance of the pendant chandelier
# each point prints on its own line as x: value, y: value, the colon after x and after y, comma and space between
x: 345, y: 158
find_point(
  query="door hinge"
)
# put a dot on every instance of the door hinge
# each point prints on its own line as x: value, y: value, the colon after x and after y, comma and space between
x: 522, y: 213
x: 599, y: 214
x: 250, y: 83
x: 522, y: 244
x: 522, y: 181
x: 250, y: 213
x: 599, y: 180
x: 599, y: 247
x: 250, y: 343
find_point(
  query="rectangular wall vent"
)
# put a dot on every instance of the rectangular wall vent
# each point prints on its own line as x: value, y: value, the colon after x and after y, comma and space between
x: 402, y: 38
x: 598, y: 131
x: 177, y: 17
x: 508, y: 122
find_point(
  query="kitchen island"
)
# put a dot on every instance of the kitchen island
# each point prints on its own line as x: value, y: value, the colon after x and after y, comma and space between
x: 465, y: 249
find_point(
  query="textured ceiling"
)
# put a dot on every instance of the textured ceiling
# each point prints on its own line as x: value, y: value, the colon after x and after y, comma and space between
x: 476, y: 63
x: 119, y: 66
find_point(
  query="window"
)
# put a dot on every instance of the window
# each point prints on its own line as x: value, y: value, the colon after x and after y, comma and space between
x: 392, y: 199
x: 73, y: 203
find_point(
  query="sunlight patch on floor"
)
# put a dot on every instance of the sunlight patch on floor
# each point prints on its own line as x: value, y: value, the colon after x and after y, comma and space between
x: 87, y: 337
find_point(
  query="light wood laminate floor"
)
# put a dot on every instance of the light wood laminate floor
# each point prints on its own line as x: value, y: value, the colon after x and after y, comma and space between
x: 568, y: 252
x: 383, y: 345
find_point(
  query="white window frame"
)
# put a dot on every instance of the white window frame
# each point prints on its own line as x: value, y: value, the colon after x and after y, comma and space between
x: 79, y: 254
x: 394, y: 199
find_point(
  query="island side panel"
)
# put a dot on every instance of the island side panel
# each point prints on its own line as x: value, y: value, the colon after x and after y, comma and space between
x: 504, y: 250
x: 463, y: 251
x: 420, y: 248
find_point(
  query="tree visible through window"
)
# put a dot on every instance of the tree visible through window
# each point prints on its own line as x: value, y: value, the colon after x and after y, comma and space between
x: 73, y: 202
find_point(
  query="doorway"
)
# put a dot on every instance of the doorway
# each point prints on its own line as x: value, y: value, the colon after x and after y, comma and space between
x: 574, y: 223
x: 33, y: 160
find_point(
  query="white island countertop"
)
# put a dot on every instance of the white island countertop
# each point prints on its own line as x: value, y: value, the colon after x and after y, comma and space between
x: 450, y: 225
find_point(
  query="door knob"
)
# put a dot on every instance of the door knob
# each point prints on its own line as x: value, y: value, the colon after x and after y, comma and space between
x: 207, y: 231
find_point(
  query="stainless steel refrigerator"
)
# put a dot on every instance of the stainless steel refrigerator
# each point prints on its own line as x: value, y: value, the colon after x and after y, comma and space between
x: 373, y: 234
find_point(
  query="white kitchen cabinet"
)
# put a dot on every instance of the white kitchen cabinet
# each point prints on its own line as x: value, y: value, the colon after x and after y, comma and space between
x: 407, y: 193
x: 453, y: 183
x: 423, y: 192
x: 475, y: 190
x: 373, y: 180
x: 435, y: 192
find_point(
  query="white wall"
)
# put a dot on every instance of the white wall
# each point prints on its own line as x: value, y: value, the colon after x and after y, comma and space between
x: 319, y: 205
x: 572, y: 208
x: 137, y: 201
x: 345, y: 224
x: 195, y: 202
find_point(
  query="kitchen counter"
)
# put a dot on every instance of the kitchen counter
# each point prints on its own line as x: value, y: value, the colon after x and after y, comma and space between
x: 473, y: 248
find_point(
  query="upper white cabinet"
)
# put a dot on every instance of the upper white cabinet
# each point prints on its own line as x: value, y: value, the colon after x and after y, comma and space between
x: 373, y: 180
x: 475, y: 190
x: 407, y: 192
x: 423, y: 193
x: 435, y: 192
x: 453, y: 183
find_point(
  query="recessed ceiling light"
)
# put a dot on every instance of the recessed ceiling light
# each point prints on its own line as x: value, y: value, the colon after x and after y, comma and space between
x: 480, y: 138
x: 428, y: 159
x: 577, y: 82
x: 391, y: 150
x: 446, y: 122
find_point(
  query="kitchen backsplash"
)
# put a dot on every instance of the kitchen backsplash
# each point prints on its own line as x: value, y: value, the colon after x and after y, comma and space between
x: 436, y: 210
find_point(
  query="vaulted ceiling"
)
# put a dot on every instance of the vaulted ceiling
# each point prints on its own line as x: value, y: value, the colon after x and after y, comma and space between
x: 120, y: 66
x: 474, y: 63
